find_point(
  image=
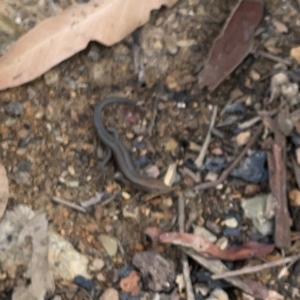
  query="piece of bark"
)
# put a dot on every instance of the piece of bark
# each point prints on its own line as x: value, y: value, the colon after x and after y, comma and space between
x: 277, y: 180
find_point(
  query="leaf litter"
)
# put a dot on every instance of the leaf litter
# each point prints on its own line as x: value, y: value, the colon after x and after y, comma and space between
x: 58, y: 38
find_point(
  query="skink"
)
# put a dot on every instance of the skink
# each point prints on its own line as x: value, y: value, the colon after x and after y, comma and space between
x: 120, y: 152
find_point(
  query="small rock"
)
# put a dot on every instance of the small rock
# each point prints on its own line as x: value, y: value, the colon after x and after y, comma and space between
x: 97, y: 265
x: 152, y: 171
x: 109, y: 243
x: 199, y: 230
x: 131, y: 213
x: 85, y: 283
x: 260, y: 210
x: 14, y: 109
x: 110, y: 294
x: 24, y: 165
x: 231, y: 222
x: 211, y: 176
x: 213, y: 227
x: 23, y: 178
x: 218, y: 294
x: 252, y: 168
x: 201, y: 289
x: 222, y: 242
x: 242, y: 138
x: 215, y: 164
x: 280, y: 27
x: 251, y: 189
x: 255, y: 76
x: 51, y: 77
x: 294, y: 197
x: 171, y: 145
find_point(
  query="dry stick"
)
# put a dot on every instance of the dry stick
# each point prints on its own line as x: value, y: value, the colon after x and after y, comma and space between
x: 249, y: 270
x: 273, y: 57
x: 234, y: 164
x: 69, y: 204
x: 200, y: 158
x: 185, y: 264
x: 251, y: 122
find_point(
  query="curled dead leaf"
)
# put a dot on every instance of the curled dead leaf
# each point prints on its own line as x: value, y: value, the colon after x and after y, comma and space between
x: 59, y: 37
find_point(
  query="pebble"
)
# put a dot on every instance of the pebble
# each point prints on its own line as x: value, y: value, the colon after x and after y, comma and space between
x: 201, y: 289
x: 231, y: 222
x: 24, y: 165
x: 87, y: 284
x: 152, y: 171
x: 199, y: 230
x: 294, y: 197
x: 242, y: 138
x: 23, y: 178
x: 211, y: 176
x: 255, y: 76
x: 14, y: 109
x: 218, y: 294
x: 260, y: 210
x: 252, y: 168
x: 131, y: 213
x: 213, y: 227
x: 215, y: 164
x: 280, y: 27
x: 110, y: 294
x: 51, y: 77
x: 109, y: 243
x: 171, y: 145
x: 97, y: 265
x: 222, y: 242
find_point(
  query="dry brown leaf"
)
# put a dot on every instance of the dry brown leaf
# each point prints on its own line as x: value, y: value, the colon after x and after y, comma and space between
x: 59, y: 37
x: 233, y: 44
x: 4, y: 190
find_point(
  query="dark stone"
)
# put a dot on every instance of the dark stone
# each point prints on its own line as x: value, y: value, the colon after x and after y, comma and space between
x: 84, y: 283
x: 14, y: 109
x: 252, y: 168
x: 215, y: 164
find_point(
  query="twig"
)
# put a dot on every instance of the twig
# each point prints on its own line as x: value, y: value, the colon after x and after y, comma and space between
x: 184, y: 260
x: 251, y: 122
x: 273, y: 57
x: 216, y: 266
x: 69, y: 204
x: 200, y: 158
x: 254, y: 269
x: 234, y: 164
